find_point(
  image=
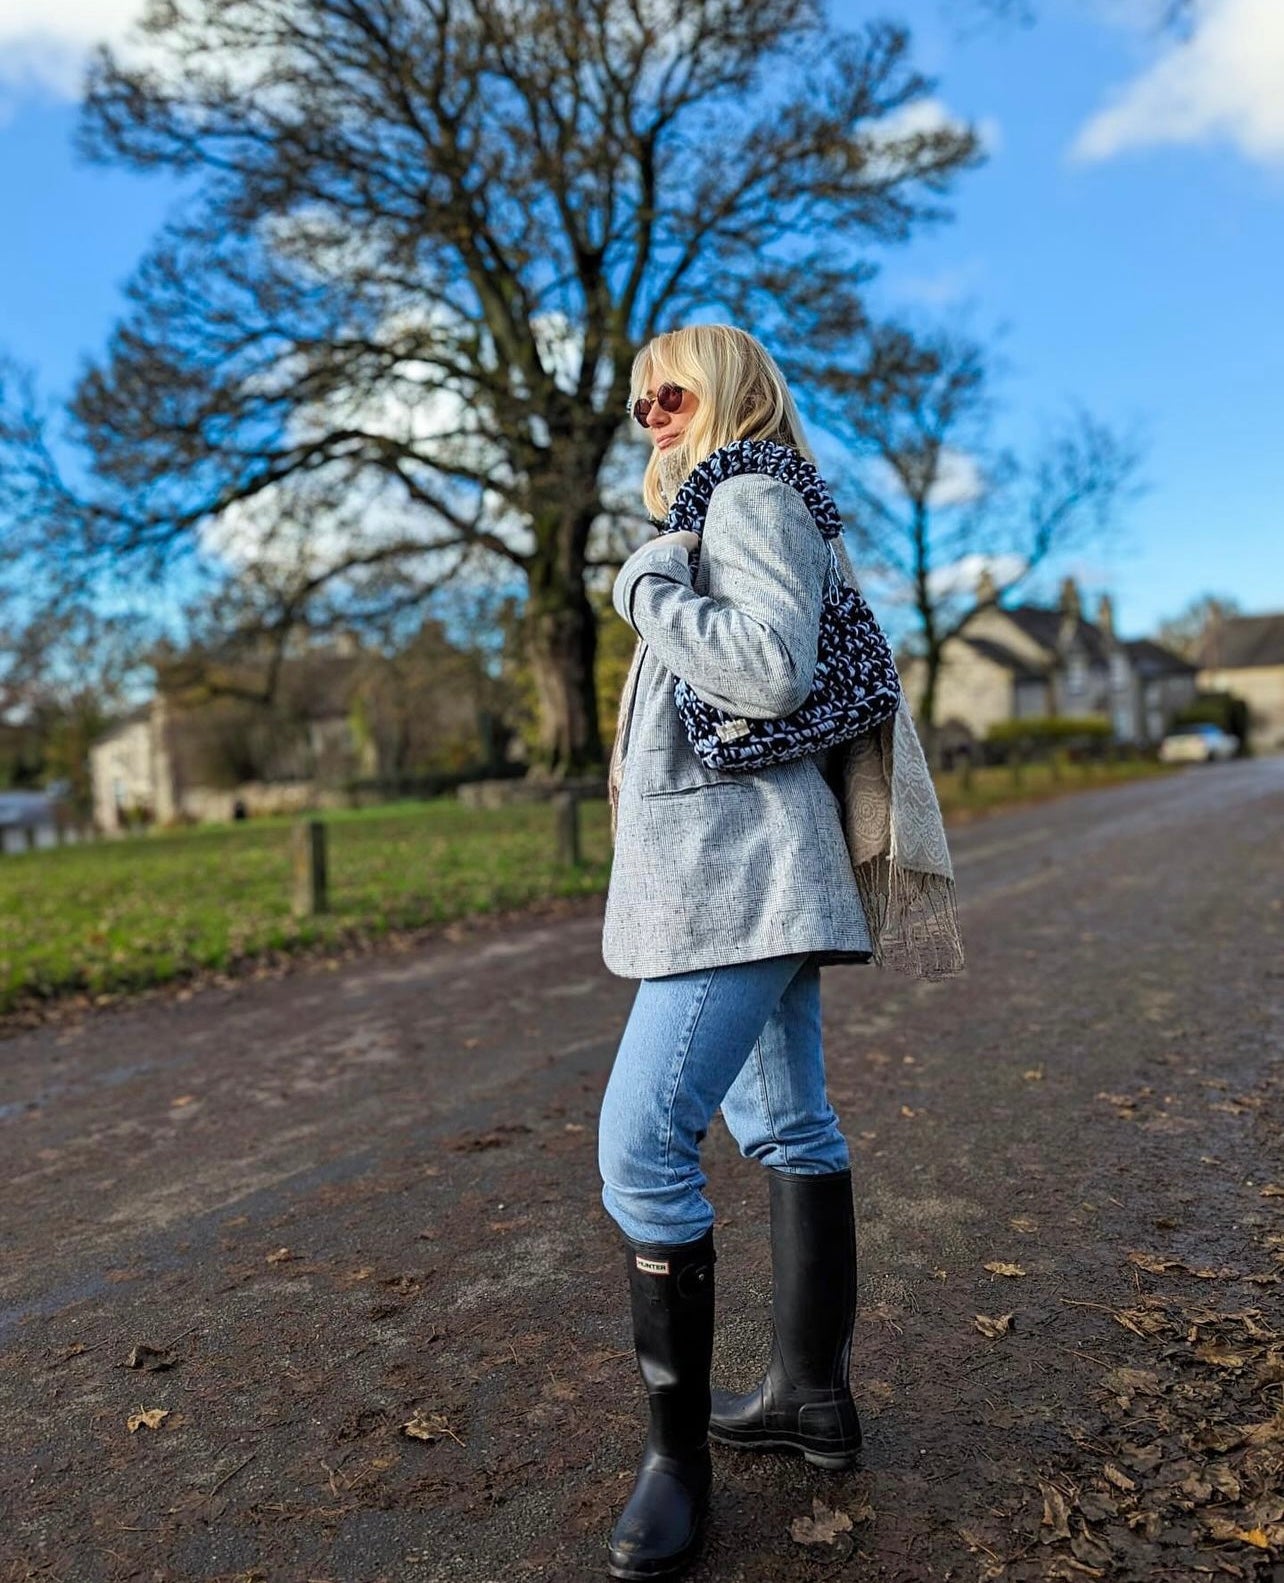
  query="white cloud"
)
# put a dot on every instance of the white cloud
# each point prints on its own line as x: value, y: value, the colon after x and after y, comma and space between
x: 888, y: 142
x: 964, y: 575
x: 1225, y: 83
x: 959, y: 480
x: 43, y: 43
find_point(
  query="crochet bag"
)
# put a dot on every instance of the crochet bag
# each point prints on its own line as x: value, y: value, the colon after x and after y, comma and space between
x: 855, y: 686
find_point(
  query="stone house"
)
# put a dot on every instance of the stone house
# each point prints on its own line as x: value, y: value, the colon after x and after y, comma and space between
x: 1244, y: 655
x: 168, y: 761
x: 1026, y: 661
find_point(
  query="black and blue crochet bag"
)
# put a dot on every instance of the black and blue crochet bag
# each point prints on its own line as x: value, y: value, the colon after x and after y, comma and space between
x: 855, y: 687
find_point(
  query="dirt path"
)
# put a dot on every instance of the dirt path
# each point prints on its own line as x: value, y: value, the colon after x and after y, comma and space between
x: 363, y: 1192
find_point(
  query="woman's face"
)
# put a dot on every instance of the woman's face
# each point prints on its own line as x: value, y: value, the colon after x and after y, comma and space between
x: 667, y: 428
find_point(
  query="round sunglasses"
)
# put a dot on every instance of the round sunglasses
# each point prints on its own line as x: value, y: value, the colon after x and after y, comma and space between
x: 667, y: 397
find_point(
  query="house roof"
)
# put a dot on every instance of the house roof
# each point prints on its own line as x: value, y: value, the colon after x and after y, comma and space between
x: 1153, y: 659
x: 999, y: 655
x: 1044, y: 626
x: 1244, y: 642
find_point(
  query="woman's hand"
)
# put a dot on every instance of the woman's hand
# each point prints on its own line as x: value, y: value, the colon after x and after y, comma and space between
x: 690, y: 541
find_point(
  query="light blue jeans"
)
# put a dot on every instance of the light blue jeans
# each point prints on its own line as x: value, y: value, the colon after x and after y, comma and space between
x: 744, y: 1036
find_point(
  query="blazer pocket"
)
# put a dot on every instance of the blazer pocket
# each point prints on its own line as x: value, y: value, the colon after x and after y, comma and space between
x: 666, y: 774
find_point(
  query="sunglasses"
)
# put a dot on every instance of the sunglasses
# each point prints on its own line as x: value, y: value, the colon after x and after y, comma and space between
x: 668, y: 398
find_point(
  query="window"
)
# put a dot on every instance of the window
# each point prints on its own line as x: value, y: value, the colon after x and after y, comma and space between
x: 1076, y: 674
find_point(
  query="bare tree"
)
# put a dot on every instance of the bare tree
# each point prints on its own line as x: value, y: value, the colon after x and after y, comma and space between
x: 1187, y: 633
x: 424, y: 240
x: 938, y: 504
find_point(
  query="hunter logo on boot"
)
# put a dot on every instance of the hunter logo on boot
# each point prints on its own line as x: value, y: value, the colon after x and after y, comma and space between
x: 652, y: 1266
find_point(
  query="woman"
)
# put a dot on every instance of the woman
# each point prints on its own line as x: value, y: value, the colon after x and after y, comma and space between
x: 727, y: 893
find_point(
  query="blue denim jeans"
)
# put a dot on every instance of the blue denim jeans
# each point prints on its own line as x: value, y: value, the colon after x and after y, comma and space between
x: 744, y: 1036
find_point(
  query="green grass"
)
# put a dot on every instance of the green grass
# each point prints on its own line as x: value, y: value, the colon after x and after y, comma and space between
x: 993, y: 786
x: 123, y: 915
x: 119, y: 915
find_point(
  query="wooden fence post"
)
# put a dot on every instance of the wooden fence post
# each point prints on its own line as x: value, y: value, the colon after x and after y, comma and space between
x: 308, y: 868
x: 567, y: 825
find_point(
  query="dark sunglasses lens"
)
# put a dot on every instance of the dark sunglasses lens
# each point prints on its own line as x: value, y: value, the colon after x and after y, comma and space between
x: 669, y: 397
x: 641, y: 410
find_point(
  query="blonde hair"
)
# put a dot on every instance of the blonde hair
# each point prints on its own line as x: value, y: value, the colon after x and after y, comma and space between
x: 741, y: 392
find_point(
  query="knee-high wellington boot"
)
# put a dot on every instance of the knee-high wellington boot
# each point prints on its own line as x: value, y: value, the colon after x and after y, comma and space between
x: 804, y: 1403
x: 671, y: 1290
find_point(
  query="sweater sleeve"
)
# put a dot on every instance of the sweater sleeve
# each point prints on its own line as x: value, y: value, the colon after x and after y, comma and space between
x: 749, y: 645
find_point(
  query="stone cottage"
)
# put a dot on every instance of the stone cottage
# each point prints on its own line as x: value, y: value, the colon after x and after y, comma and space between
x: 1025, y: 661
x: 1244, y: 655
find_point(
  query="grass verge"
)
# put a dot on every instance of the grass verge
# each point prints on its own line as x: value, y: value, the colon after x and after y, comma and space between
x: 117, y: 916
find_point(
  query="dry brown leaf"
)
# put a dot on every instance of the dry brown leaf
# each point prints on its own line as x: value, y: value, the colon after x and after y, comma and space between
x: 430, y: 1427
x: 1156, y: 1263
x: 905, y: 1111
x: 1222, y: 1528
x: 154, y: 1359
x: 822, y: 1527
x: 147, y: 1418
x: 1271, y: 1190
x: 998, y: 1267
x: 994, y: 1327
x: 1141, y: 1321
x: 281, y: 1256
x: 1033, y: 1074
x: 1023, y: 1223
x: 1125, y: 1383
x: 1118, y: 1477
x: 1055, y: 1513
x: 1221, y: 1357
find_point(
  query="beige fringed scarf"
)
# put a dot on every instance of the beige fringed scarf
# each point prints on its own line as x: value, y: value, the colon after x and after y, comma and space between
x: 894, y: 833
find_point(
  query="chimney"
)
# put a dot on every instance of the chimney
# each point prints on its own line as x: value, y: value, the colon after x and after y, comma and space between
x: 986, y: 590
x: 1070, y: 605
x: 1106, y: 616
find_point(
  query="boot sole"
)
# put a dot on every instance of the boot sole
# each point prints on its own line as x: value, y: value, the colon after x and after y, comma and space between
x: 831, y: 1461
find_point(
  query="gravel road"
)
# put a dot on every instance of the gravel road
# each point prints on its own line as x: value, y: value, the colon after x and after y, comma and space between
x: 364, y: 1195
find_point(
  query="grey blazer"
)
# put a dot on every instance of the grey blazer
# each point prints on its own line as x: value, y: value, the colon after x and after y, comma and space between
x: 709, y: 867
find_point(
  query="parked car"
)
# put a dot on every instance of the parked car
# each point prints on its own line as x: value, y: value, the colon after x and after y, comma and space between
x: 1197, y: 744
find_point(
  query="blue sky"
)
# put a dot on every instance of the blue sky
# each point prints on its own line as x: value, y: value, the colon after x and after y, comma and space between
x: 1127, y: 234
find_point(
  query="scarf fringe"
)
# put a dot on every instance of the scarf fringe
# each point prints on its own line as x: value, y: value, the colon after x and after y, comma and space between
x: 913, y: 918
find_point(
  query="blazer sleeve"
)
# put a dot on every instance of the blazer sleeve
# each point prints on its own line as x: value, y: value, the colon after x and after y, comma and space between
x: 749, y: 645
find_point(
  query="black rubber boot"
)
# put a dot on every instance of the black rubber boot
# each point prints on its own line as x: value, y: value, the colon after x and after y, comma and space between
x: 671, y: 1289
x: 804, y: 1403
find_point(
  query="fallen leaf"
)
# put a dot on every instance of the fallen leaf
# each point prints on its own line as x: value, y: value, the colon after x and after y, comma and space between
x: 1023, y: 1223
x: 1156, y: 1263
x: 183, y: 1099
x: 1221, y: 1357
x: 147, y: 1418
x: 1222, y: 1528
x: 994, y: 1327
x: 154, y: 1359
x: 1033, y: 1075
x: 281, y: 1256
x: 1271, y: 1190
x: 430, y: 1427
x: 905, y: 1111
x: 998, y: 1267
x: 1125, y: 1383
x: 1055, y: 1513
x: 822, y: 1527
x: 1118, y: 1477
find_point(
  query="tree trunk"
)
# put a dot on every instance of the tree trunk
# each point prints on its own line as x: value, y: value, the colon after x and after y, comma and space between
x: 926, y: 716
x: 561, y: 643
